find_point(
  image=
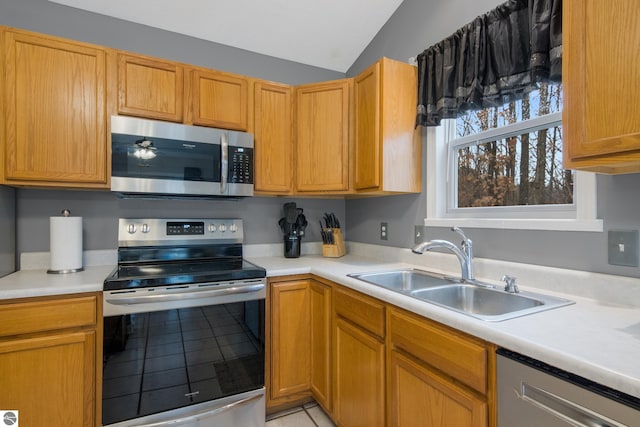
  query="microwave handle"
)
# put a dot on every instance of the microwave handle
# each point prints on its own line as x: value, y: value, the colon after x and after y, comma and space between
x: 224, y: 172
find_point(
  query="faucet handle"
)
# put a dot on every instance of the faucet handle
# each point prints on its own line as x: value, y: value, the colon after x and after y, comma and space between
x: 465, y: 239
x: 510, y: 284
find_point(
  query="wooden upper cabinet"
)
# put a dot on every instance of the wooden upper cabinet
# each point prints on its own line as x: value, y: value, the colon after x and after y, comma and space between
x: 150, y: 87
x: 601, y: 75
x: 322, y: 130
x: 388, y: 149
x: 219, y: 99
x: 54, y: 110
x: 273, y: 145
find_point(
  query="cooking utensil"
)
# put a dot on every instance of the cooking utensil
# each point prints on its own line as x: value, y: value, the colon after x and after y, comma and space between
x: 290, y: 215
x: 301, y: 223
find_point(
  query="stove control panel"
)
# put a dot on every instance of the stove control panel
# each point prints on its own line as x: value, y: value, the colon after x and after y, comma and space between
x: 146, y: 232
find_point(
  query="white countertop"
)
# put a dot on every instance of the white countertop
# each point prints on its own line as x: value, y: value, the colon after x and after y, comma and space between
x: 595, y: 339
x: 598, y: 341
x: 34, y: 283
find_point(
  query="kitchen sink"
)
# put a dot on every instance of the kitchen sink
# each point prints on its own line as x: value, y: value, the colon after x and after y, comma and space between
x: 405, y: 280
x: 476, y: 299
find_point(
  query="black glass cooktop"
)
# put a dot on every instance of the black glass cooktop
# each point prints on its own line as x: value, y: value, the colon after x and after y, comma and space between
x: 154, y: 267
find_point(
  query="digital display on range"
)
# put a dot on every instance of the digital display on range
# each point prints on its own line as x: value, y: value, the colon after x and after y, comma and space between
x: 184, y: 228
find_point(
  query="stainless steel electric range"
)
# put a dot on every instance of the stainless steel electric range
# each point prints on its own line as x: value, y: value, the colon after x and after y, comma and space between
x: 183, y: 327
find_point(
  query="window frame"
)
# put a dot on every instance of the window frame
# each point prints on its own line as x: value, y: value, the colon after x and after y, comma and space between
x: 441, y: 186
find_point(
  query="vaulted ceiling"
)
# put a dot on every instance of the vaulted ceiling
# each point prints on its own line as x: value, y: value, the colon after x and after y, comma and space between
x: 329, y: 34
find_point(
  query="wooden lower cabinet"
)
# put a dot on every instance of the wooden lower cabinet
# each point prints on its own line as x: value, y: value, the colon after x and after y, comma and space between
x: 369, y: 363
x: 358, y: 359
x: 320, y: 295
x: 437, y: 376
x: 298, y: 356
x: 50, y: 380
x: 358, y: 377
x: 288, y: 318
x: 420, y: 397
x: 50, y: 360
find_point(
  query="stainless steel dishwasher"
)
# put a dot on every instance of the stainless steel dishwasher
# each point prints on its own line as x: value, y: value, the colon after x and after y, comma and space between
x: 534, y: 394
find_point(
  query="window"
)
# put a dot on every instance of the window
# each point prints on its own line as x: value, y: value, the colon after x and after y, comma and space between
x: 501, y: 167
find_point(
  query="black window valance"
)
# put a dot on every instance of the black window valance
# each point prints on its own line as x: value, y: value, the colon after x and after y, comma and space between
x: 497, y: 57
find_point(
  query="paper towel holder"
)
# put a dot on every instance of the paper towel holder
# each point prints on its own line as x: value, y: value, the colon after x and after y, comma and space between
x: 65, y: 213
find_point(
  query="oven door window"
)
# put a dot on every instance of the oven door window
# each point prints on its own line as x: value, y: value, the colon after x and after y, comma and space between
x: 154, y: 362
x: 159, y: 158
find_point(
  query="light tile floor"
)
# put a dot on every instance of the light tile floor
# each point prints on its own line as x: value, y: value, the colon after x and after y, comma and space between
x: 309, y: 415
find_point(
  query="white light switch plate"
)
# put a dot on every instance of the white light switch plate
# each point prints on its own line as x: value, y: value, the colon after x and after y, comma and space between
x: 623, y: 248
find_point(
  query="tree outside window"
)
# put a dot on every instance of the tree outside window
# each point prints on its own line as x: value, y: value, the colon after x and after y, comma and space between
x: 512, y: 169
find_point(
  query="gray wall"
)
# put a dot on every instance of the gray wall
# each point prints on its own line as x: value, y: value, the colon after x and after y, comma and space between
x: 100, y: 210
x: 7, y: 230
x: 416, y: 25
x: 55, y: 19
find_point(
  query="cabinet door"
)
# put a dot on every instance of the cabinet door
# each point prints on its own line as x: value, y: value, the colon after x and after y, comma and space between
x: 601, y: 69
x: 420, y: 397
x: 273, y: 138
x: 322, y: 145
x: 358, y: 377
x: 290, y: 334
x: 367, y: 129
x: 321, y: 343
x: 50, y: 380
x: 150, y: 88
x: 219, y: 100
x: 387, y: 148
x: 55, y: 112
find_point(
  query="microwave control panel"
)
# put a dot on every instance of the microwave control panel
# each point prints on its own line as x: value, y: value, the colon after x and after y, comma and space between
x: 240, y: 165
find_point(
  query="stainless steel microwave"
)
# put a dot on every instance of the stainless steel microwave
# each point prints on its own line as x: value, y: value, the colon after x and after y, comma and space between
x: 162, y: 159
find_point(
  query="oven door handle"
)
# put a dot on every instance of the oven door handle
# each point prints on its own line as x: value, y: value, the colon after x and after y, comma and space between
x: 179, y: 296
x: 216, y: 411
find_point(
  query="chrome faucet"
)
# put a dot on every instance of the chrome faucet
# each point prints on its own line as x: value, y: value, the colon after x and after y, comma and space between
x: 465, y: 256
x: 510, y: 284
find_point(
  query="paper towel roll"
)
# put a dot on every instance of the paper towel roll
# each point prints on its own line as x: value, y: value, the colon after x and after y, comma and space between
x: 65, y: 238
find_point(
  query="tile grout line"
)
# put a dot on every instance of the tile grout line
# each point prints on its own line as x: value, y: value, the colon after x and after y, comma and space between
x: 310, y: 417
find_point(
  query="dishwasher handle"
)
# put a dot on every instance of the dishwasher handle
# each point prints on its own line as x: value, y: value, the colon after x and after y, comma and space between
x: 564, y: 409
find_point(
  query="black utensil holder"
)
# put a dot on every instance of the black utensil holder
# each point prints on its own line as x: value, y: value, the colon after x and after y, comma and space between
x: 291, y: 246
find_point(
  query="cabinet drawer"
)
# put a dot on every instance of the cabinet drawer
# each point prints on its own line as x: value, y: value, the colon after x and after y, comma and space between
x: 47, y: 314
x: 363, y: 311
x: 459, y: 356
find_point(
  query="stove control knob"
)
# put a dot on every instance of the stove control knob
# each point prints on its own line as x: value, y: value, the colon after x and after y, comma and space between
x: 233, y: 228
x: 212, y: 228
x: 222, y: 228
x: 131, y: 228
x: 144, y: 228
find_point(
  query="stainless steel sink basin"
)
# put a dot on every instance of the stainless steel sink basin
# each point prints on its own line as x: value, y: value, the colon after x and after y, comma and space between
x: 475, y: 299
x: 405, y: 280
x: 489, y: 304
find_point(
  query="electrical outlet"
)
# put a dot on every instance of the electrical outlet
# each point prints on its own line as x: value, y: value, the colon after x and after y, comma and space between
x: 623, y: 248
x: 384, y: 231
x: 418, y: 233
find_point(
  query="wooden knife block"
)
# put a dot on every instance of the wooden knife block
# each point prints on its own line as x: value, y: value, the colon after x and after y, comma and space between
x: 337, y: 249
